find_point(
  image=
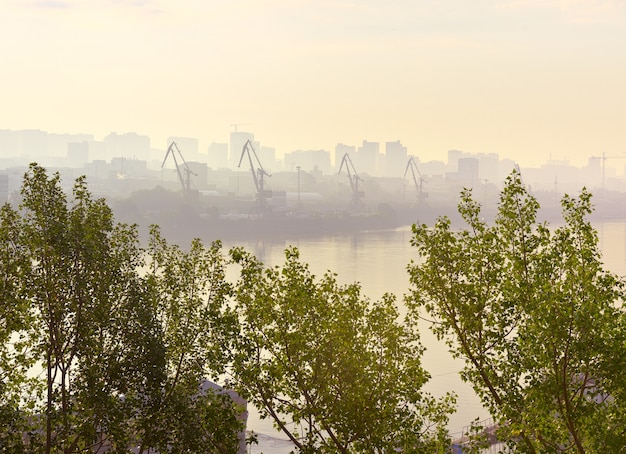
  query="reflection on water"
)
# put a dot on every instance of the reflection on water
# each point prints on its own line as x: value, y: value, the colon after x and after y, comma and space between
x: 378, y: 260
x: 612, y: 236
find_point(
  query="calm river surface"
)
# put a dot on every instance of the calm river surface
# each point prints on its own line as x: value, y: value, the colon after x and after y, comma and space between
x: 378, y: 260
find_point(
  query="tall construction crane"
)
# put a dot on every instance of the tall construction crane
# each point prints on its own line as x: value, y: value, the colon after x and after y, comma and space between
x: 354, y: 178
x: 184, y: 181
x: 418, y: 180
x: 258, y: 175
x: 235, y: 125
x: 604, y: 157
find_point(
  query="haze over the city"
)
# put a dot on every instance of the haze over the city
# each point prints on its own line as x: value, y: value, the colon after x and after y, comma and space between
x: 527, y: 79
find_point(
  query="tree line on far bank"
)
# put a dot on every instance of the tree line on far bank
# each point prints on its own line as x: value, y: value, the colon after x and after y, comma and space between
x: 106, y: 344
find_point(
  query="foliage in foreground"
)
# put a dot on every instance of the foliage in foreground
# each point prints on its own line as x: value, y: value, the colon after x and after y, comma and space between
x: 536, y: 317
x: 336, y: 372
x: 103, y: 344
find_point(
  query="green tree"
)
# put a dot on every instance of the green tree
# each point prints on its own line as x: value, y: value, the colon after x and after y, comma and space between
x: 196, y: 330
x: 123, y: 350
x: 14, y: 321
x: 81, y: 267
x: 319, y: 358
x: 535, y: 316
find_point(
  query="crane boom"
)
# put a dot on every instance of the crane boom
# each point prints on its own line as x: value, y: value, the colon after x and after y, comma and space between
x: 354, y: 178
x: 259, y: 172
x: 413, y: 167
x: 418, y: 180
x: 184, y: 181
x: 258, y: 175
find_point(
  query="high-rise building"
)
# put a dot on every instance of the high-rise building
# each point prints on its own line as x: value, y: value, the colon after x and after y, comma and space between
x: 122, y: 168
x: 217, y: 157
x: 200, y: 177
x: 367, y: 157
x: 10, y: 143
x: 267, y: 156
x: 395, y: 160
x: 468, y: 172
x: 77, y: 154
x: 34, y: 143
x: 453, y: 159
x: 97, y: 170
x: 57, y: 144
x: 488, y: 167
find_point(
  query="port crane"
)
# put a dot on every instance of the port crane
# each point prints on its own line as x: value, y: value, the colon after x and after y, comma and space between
x: 258, y: 175
x: 184, y: 181
x: 354, y: 178
x: 418, y: 180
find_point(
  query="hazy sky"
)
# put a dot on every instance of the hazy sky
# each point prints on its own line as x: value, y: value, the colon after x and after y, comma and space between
x: 528, y: 79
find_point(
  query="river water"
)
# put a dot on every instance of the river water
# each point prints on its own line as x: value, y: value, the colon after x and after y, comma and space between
x: 378, y: 260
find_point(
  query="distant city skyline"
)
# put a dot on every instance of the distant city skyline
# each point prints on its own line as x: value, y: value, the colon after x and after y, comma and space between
x: 130, y: 155
x: 31, y: 142
x: 527, y: 79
